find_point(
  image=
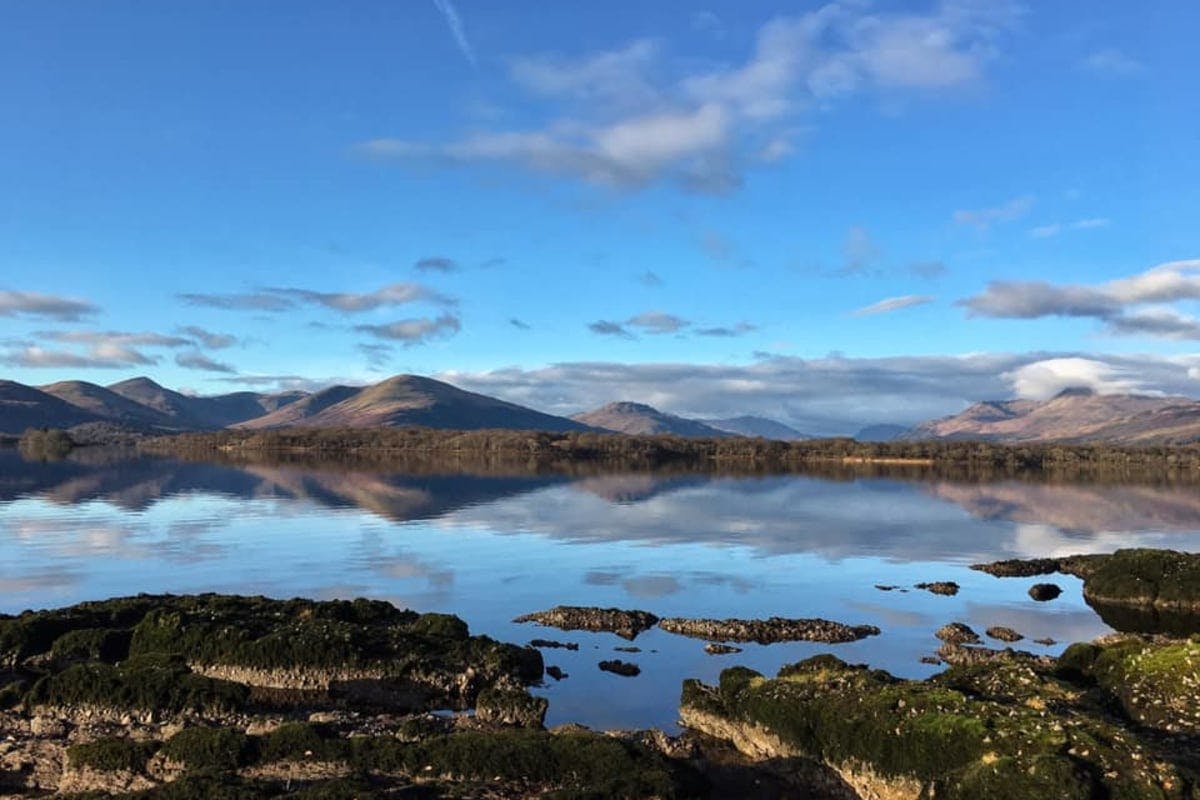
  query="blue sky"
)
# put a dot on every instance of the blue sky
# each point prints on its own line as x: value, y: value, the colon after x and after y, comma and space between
x: 825, y: 213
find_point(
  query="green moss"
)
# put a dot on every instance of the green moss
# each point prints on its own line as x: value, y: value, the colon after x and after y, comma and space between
x: 112, y: 754
x: 1076, y: 661
x: 443, y: 625
x: 145, y: 685
x: 1045, y: 776
x: 91, y: 644
x: 209, y: 749
x: 301, y: 741
x: 511, y: 707
x: 1142, y: 576
x: 1156, y: 684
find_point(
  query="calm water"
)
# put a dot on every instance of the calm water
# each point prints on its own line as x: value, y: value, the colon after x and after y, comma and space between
x: 490, y: 548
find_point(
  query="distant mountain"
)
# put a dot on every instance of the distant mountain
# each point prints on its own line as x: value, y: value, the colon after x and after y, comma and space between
x: 1074, y: 415
x: 107, y: 405
x: 409, y: 400
x: 23, y: 407
x: 637, y: 418
x: 757, y: 426
x: 200, y: 412
x: 880, y: 433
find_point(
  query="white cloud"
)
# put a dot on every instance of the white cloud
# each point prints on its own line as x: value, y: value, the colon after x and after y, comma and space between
x: 894, y: 304
x: 1113, y: 302
x: 1044, y: 379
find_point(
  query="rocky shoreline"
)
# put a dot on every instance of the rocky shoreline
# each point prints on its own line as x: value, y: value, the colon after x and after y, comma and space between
x: 213, y: 696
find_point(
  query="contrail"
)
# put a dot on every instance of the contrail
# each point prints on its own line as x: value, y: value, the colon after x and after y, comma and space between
x: 456, y: 27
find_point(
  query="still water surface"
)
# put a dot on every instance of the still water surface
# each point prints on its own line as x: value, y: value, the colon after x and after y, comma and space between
x: 489, y: 548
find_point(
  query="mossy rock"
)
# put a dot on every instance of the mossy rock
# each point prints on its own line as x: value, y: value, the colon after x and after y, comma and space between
x: 1008, y: 729
x: 112, y: 754
x: 511, y: 707
x: 91, y: 644
x: 150, y: 685
x: 209, y: 749
x: 1141, y: 576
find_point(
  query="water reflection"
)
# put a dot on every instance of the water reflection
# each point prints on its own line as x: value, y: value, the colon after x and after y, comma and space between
x: 490, y: 544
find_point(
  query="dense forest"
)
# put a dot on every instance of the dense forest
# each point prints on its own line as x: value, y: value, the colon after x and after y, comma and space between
x: 550, y: 450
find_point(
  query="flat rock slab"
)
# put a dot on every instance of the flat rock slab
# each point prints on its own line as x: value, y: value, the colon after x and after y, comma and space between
x: 623, y: 668
x: 624, y: 623
x: 767, y: 631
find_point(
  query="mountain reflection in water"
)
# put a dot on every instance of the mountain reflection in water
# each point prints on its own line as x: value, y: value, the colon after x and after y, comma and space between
x: 489, y: 543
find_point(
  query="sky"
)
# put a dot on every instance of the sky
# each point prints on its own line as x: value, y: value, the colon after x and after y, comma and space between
x: 831, y: 214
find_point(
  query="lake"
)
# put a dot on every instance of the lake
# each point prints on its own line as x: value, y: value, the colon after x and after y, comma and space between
x: 489, y: 547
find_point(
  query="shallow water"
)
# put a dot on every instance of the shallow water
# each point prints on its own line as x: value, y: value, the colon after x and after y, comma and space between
x: 489, y: 548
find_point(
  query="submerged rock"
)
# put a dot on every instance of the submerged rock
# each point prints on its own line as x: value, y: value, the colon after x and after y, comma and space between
x: 768, y: 631
x: 1004, y: 634
x: 947, y: 588
x: 622, y: 668
x: 1009, y: 728
x: 551, y: 644
x: 1042, y: 592
x: 957, y: 633
x: 626, y: 624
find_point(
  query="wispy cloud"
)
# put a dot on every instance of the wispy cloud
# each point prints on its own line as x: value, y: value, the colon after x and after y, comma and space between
x: 198, y: 361
x: 1055, y: 228
x: 1111, y: 61
x: 520, y: 325
x: 741, y: 329
x: 247, y: 301
x: 859, y: 251
x: 414, y: 331
x: 45, y: 306
x: 984, y: 218
x: 891, y: 304
x: 206, y: 338
x: 436, y: 264
x: 35, y: 357
x: 283, y: 298
x: 454, y: 22
x: 626, y: 118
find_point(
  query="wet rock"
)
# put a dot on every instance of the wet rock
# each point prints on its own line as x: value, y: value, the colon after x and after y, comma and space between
x: 718, y: 649
x: 968, y: 654
x: 552, y: 644
x: 957, y: 633
x: 622, y: 668
x: 1003, y: 634
x: 930, y: 660
x: 767, y: 631
x: 885, y: 587
x: 556, y: 672
x: 626, y: 624
x: 1043, y: 592
x: 627, y: 649
x: 511, y: 706
x: 1046, y: 641
x: 947, y: 588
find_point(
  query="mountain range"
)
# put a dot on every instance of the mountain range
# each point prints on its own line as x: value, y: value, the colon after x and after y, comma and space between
x: 1074, y: 415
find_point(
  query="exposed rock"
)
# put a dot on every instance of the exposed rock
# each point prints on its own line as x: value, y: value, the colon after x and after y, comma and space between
x: 930, y: 660
x: 1003, y: 634
x: 627, y: 649
x: 966, y: 654
x: 550, y: 643
x: 556, y: 672
x: 1020, y: 567
x: 1047, y: 641
x: 957, y: 633
x: 948, y: 588
x: 1043, y: 592
x: 626, y: 624
x: 886, y: 587
x: 767, y: 631
x: 622, y: 668
x: 718, y: 649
